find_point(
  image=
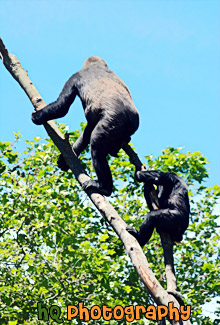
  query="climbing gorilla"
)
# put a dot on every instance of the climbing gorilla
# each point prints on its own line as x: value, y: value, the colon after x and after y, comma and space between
x: 173, y: 214
x: 110, y: 112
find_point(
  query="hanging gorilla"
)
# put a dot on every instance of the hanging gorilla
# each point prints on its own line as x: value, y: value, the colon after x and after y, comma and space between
x: 110, y: 112
x: 173, y: 214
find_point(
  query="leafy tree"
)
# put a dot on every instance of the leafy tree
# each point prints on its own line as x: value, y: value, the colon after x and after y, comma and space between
x: 56, y: 249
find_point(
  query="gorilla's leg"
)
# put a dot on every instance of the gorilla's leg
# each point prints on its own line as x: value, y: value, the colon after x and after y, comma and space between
x: 99, y: 150
x: 104, y: 185
x: 146, y: 230
x: 107, y: 137
x: 103, y: 172
x: 163, y: 219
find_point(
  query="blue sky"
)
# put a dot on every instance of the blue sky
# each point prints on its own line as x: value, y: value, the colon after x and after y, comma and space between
x: 167, y: 52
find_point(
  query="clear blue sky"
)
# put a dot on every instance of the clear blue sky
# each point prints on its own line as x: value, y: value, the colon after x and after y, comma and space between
x: 167, y: 52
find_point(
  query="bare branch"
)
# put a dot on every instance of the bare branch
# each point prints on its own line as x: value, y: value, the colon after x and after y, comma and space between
x: 133, y: 249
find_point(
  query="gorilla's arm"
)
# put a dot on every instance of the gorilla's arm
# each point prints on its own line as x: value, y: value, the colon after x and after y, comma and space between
x: 166, y: 182
x: 61, y: 106
x: 150, y: 176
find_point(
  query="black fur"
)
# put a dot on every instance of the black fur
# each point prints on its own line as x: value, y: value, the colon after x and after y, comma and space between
x: 173, y: 215
x: 110, y: 112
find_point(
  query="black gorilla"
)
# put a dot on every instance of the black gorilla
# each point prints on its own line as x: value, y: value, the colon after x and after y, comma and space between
x: 110, y: 112
x: 173, y: 215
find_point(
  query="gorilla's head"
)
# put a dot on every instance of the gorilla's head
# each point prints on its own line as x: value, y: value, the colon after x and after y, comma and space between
x: 94, y: 60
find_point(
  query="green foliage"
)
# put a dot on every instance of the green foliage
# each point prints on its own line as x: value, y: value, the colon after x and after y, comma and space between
x: 55, y: 248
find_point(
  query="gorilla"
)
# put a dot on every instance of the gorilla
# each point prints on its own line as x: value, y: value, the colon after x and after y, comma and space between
x: 110, y: 112
x: 173, y: 214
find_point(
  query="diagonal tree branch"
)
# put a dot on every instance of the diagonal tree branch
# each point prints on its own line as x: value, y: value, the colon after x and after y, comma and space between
x: 159, y: 295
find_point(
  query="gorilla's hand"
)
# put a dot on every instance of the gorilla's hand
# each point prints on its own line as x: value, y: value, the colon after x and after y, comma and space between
x: 37, y: 117
x: 144, y: 176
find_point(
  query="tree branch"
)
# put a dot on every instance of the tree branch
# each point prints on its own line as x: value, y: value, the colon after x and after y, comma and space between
x: 159, y: 295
